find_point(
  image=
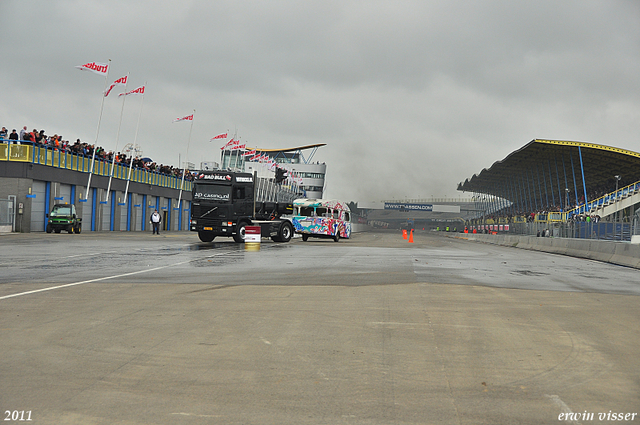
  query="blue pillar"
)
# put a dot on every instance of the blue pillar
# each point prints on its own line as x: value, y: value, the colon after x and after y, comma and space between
x: 522, y: 194
x: 94, y: 208
x: 169, y: 214
x: 113, y: 210
x: 529, y: 191
x: 566, y: 184
x: 47, y: 204
x: 573, y: 171
x: 546, y: 193
x: 558, y: 179
x: 584, y: 185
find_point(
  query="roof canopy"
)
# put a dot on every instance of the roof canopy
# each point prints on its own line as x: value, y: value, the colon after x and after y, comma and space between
x: 548, y: 173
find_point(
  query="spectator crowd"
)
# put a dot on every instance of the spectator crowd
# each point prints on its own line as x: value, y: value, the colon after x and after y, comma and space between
x: 57, y: 143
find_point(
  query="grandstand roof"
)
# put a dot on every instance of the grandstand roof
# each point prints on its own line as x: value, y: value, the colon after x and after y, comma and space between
x: 546, y: 168
x: 300, y: 148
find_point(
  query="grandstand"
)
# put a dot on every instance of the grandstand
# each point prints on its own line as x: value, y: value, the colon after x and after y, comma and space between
x: 35, y: 176
x: 558, y: 185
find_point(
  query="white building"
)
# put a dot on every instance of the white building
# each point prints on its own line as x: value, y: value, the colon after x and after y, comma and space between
x: 307, y: 175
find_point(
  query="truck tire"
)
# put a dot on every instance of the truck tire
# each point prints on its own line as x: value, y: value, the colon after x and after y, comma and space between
x: 240, y: 233
x: 206, y: 236
x: 336, y: 237
x: 78, y: 229
x: 49, y: 229
x: 70, y: 229
x: 285, y: 232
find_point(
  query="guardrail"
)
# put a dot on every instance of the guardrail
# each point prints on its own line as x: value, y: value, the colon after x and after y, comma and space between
x: 44, y: 155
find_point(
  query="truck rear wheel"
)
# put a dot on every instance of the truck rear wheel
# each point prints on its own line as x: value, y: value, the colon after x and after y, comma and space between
x: 206, y: 236
x: 78, y: 229
x: 285, y: 232
x: 240, y: 233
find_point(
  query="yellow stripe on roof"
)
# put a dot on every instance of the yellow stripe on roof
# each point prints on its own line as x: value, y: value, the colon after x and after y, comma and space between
x: 589, y: 145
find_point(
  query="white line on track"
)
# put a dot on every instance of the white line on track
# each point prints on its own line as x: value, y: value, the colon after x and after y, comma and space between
x: 110, y: 277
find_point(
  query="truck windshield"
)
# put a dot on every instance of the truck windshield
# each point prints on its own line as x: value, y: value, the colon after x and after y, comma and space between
x: 212, y: 192
x: 61, y: 211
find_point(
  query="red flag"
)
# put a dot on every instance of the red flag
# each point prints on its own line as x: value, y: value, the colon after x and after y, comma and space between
x: 139, y: 90
x: 251, y: 152
x: 119, y: 82
x: 239, y: 146
x: 219, y: 136
x: 95, y: 67
x: 187, y: 118
x: 230, y: 143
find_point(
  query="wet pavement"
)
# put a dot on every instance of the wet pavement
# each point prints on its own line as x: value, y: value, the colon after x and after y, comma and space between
x: 143, y: 329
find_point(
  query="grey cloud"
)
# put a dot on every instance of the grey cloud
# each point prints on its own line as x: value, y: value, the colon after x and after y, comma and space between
x: 411, y: 97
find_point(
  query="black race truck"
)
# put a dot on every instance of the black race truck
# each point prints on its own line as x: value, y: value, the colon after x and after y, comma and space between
x: 63, y: 217
x: 224, y: 203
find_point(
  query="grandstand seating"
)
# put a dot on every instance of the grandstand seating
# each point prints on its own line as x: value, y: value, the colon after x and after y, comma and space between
x: 598, y: 206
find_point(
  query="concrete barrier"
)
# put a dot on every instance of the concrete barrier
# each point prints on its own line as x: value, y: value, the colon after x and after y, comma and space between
x: 621, y: 253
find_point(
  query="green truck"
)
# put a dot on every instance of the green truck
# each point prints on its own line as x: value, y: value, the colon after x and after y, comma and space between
x: 64, y: 217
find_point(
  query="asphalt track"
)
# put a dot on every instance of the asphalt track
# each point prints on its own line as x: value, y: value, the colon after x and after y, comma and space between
x: 140, y: 329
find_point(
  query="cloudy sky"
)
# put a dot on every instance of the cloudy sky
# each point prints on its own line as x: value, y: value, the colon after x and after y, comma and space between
x: 411, y: 97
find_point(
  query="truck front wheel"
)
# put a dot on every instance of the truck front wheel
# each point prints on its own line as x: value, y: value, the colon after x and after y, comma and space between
x: 49, y: 229
x: 240, y: 233
x: 78, y: 229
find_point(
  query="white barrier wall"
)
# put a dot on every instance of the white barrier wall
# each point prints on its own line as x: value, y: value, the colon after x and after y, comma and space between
x: 621, y: 253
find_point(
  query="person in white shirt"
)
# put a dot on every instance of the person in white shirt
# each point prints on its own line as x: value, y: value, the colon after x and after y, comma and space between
x: 155, y: 221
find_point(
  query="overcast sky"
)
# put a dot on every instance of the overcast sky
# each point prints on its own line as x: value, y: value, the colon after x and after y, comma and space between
x: 411, y: 97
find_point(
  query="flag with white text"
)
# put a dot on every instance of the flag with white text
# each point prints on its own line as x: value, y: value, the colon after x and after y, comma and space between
x: 119, y: 82
x: 139, y: 90
x: 187, y: 118
x: 219, y: 136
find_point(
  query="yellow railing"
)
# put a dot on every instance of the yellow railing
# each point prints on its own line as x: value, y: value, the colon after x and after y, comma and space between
x: 70, y: 161
x: 550, y: 217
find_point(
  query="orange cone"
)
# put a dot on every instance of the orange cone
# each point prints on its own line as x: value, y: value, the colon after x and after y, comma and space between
x: 411, y: 236
x: 404, y: 233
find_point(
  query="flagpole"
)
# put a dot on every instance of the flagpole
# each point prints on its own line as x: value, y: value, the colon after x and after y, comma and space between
x: 95, y: 145
x: 113, y: 161
x: 135, y: 139
x: 184, y: 170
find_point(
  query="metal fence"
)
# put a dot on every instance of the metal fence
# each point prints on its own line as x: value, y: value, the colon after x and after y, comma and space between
x: 579, y: 229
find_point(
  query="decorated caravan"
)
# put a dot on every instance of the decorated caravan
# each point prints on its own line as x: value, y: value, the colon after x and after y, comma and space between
x: 321, y: 218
